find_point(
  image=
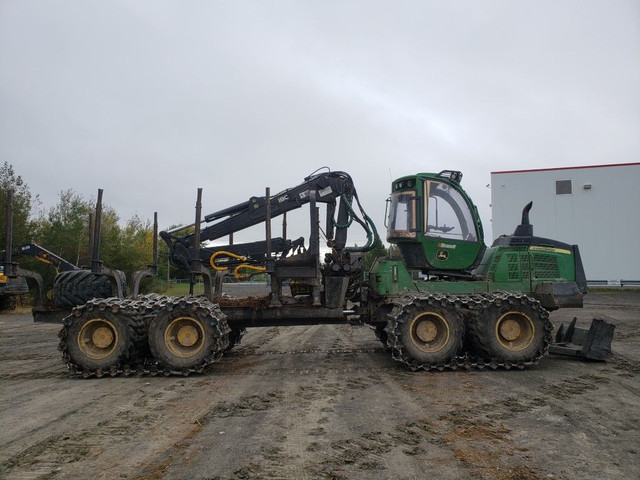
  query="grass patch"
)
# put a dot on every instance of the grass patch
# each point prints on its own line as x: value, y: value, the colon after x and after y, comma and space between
x: 180, y: 289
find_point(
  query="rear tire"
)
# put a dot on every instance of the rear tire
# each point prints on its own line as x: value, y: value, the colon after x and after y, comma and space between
x: 181, y: 338
x: 508, y: 332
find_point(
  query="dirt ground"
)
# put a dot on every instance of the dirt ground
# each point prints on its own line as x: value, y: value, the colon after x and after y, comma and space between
x: 324, y: 402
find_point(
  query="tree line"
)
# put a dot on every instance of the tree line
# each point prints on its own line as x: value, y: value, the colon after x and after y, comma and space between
x: 64, y: 230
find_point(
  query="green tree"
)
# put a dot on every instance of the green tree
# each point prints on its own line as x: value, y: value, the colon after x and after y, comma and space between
x: 111, y: 239
x: 22, y: 203
x: 64, y: 230
x: 127, y: 248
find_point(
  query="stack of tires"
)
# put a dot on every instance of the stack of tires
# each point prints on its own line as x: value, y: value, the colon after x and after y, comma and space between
x: 77, y: 287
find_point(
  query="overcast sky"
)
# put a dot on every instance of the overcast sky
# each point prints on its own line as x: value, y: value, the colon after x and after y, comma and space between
x: 151, y: 99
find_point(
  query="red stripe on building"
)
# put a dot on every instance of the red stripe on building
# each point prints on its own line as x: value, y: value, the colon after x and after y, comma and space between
x: 566, y: 168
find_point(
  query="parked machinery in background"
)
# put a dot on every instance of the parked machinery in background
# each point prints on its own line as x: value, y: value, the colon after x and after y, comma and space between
x: 72, y: 285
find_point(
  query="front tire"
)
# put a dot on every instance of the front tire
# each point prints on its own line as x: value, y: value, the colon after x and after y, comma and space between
x: 97, y: 339
x: 432, y: 334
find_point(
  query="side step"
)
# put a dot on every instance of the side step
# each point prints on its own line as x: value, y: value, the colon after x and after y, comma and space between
x: 591, y: 344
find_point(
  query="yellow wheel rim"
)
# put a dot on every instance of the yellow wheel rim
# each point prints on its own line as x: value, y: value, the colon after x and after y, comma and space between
x: 98, y: 338
x: 184, y: 337
x: 429, y: 332
x: 515, y: 331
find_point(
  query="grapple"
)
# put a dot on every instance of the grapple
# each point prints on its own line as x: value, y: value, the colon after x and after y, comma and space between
x: 593, y: 343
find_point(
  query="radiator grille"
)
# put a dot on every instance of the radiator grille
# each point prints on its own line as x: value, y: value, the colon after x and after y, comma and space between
x: 517, y: 267
x: 545, y: 266
x: 512, y: 266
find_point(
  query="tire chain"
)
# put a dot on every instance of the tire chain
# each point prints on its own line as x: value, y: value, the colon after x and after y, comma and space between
x: 141, y: 311
x: 139, y: 314
x: 473, y: 303
x: 328, y: 351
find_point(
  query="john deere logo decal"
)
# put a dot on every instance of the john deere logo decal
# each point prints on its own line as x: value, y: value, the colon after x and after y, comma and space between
x: 442, y: 255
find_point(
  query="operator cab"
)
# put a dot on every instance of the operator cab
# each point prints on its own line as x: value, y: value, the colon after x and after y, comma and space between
x: 435, y: 224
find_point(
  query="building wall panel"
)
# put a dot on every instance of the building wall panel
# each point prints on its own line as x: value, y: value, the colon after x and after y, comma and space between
x: 601, y: 215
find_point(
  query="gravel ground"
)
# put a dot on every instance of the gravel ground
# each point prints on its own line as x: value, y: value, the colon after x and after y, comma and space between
x: 323, y: 402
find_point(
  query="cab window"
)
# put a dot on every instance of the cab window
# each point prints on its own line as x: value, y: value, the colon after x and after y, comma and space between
x: 448, y: 215
x: 401, y: 221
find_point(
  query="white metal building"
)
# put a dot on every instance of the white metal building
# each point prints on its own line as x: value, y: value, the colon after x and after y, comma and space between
x: 596, y: 207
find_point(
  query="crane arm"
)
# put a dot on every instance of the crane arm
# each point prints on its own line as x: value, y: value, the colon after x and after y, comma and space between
x: 43, y: 255
x: 336, y: 189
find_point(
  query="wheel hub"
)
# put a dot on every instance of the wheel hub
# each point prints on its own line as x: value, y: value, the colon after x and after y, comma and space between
x: 102, y: 337
x: 426, y: 331
x: 429, y: 332
x: 515, y: 331
x: 510, y: 330
x: 97, y: 338
x: 187, y: 336
x: 184, y: 337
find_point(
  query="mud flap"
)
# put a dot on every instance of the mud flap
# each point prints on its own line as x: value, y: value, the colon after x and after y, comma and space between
x: 559, y: 295
x: 591, y: 344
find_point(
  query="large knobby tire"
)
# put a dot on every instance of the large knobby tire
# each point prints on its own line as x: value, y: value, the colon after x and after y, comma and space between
x: 432, y: 334
x: 77, y: 287
x: 97, y: 339
x: 508, y: 332
x: 181, y: 338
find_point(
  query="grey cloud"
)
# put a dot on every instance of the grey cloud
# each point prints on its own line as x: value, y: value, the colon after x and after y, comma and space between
x: 150, y: 100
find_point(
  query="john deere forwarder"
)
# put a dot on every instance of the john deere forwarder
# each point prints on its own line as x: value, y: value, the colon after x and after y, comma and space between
x: 447, y: 301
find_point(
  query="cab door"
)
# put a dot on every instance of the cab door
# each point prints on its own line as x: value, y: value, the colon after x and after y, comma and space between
x: 452, y: 236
